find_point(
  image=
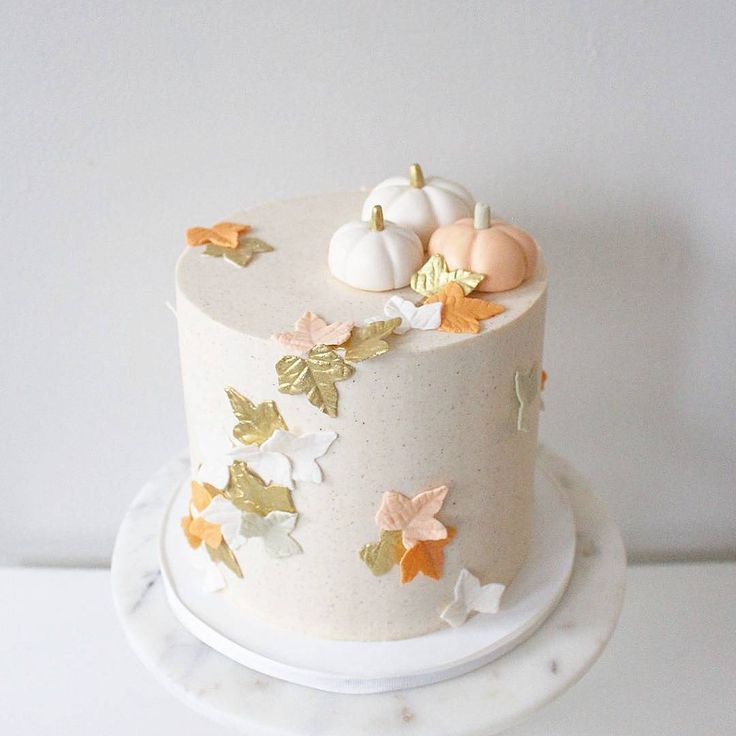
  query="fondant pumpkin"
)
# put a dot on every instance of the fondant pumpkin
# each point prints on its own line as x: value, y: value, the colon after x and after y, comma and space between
x: 420, y: 204
x: 506, y: 254
x: 375, y: 255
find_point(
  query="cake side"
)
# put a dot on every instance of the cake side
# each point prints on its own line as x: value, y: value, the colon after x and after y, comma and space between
x: 438, y: 409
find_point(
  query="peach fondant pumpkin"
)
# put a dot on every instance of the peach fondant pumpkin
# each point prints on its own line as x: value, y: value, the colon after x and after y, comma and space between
x: 506, y: 254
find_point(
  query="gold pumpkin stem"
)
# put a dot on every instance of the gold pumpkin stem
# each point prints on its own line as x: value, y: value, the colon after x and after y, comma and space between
x: 377, y: 218
x: 481, y: 216
x: 416, y: 176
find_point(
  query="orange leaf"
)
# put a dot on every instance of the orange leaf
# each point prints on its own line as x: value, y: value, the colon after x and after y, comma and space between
x: 427, y: 557
x: 186, y: 522
x: 209, y: 533
x: 461, y: 313
x: 224, y: 234
x: 201, y: 495
x: 543, y: 380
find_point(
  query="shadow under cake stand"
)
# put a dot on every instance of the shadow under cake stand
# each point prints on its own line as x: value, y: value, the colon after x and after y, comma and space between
x: 484, y: 701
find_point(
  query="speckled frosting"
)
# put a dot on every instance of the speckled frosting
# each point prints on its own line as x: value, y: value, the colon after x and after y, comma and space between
x: 438, y: 408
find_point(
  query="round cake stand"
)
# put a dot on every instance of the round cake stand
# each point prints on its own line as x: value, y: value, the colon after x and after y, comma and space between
x: 482, y: 702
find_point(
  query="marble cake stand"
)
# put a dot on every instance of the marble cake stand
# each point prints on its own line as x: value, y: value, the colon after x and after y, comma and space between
x: 479, y: 703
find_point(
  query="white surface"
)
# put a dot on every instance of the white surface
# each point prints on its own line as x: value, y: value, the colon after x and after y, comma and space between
x: 366, y: 667
x: 668, y: 670
x: 534, y: 673
x: 604, y: 128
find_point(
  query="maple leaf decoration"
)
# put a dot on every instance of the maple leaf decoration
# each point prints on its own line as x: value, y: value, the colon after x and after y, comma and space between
x: 256, y: 423
x: 426, y: 557
x: 243, y: 254
x: 381, y: 556
x: 311, y: 330
x: 222, y: 234
x: 315, y: 376
x: 413, y: 517
x: 461, y: 313
x: 247, y: 492
x: 370, y: 341
x: 434, y: 275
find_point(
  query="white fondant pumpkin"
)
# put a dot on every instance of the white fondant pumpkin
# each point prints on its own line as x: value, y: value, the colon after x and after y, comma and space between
x: 375, y: 255
x: 420, y: 204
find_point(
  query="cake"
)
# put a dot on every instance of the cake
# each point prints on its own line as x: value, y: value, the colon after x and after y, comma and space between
x: 362, y: 377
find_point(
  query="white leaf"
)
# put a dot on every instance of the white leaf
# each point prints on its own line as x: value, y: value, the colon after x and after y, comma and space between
x: 274, y: 529
x: 471, y: 596
x: 302, y: 452
x: 426, y: 317
x: 222, y: 512
x: 219, y: 453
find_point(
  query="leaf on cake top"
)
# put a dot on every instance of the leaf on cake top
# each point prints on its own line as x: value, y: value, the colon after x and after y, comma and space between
x: 369, y: 341
x: 314, y: 376
x: 222, y: 234
x: 461, y: 313
x: 413, y: 517
x: 434, y: 275
x: 412, y: 317
x: 426, y: 557
x: 256, y: 423
x: 381, y: 556
x: 249, y: 493
x: 242, y: 254
x: 311, y: 330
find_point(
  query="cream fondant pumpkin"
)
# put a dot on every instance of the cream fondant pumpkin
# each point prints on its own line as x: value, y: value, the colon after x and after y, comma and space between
x: 506, y: 254
x: 420, y: 204
x: 375, y: 255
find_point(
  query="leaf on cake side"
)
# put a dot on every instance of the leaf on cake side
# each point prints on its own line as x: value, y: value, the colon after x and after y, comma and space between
x: 248, y: 492
x: 256, y: 423
x: 381, y: 556
x: 426, y: 557
x: 314, y: 376
x: 224, y: 554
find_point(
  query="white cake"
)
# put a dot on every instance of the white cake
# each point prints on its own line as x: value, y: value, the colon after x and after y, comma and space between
x: 437, y: 409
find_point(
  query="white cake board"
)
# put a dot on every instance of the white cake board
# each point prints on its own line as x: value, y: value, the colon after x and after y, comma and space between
x: 482, y: 702
x: 372, y: 667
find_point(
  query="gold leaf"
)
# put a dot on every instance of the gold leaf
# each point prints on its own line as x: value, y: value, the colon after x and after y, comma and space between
x: 434, y: 276
x: 224, y: 554
x: 243, y: 254
x: 314, y: 376
x: 248, y: 492
x: 256, y: 423
x: 369, y: 341
x: 381, y: 556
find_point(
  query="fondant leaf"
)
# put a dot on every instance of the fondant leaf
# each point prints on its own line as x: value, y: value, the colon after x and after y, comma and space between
x: 424, y: 317
x: 527, y: 386
x: 222, y: 234
x: 434, y: 276
x: 369, y: 341
x: 311, y: 330
x: 255, y: 423
x: 461, y: 313
x: 381, y: 556
x: 242, y: 254
x: 426, y: 557
x: 469, y: 596
x: 274, y: 529
x: 249, y: 493
x: 224, y: 554
x: 302, y: 452
x: 414, y: 517
x: 314, y: 376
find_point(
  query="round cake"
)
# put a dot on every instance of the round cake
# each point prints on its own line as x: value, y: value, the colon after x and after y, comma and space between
x: 358, y: 455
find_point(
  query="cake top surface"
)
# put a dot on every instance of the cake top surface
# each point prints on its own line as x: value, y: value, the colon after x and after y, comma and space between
x: 277, y: 287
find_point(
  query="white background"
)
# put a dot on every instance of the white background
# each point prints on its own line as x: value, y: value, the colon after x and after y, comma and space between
x: 606, y: 129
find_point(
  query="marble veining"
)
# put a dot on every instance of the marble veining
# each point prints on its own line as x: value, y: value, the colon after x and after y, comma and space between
x: 482, y: 702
